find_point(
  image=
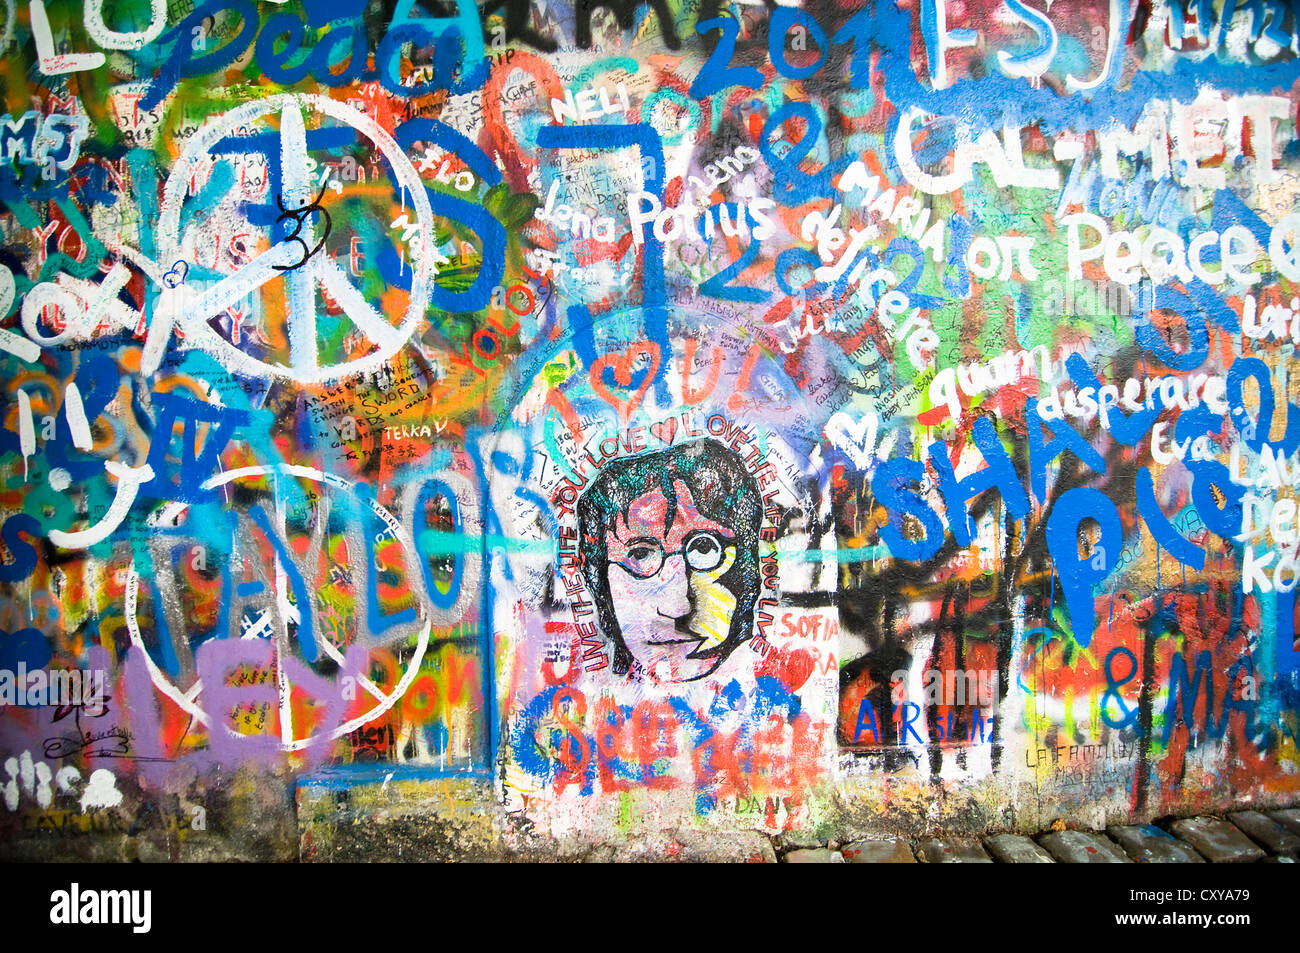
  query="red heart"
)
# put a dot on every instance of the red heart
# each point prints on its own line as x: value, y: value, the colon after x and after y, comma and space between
x: 669, y: 425
x: 623, y: 365
x: 792, y: 668
x: 798, y: 669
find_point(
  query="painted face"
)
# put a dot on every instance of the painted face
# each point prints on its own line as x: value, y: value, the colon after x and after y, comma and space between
x: 664, y: 583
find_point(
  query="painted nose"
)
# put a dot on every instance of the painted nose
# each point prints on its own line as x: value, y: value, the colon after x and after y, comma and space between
x: 672, y: 598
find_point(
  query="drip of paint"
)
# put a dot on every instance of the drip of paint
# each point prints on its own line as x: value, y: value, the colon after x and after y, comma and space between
x: 26, y: 428
x: 75, y: 411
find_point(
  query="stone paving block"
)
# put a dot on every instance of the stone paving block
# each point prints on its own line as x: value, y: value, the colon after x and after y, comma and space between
x: 1148, y: 844
x: 892, y: 851
x: 1082, y: 847
x: 1267, y: 832
x: 1219, y: 841
x: 953, y: 850
x: 1289, y: 818
x: 814, y: 855
x: 1016, y: 849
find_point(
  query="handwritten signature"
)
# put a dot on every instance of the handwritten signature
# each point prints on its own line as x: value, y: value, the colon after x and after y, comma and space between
x: 118, y: 742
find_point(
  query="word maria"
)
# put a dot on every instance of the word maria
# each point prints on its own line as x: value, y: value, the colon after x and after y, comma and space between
x: 75, y: 906
x: 54, y: 687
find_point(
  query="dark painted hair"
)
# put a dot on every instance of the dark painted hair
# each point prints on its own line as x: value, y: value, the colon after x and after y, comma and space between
x: 723, y: 491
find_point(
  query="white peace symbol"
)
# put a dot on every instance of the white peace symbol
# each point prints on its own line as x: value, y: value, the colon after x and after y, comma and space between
x: 193, y: 311
x: 187, y: 699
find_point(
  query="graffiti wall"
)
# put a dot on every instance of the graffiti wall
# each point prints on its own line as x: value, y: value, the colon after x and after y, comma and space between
x: 674, y: 413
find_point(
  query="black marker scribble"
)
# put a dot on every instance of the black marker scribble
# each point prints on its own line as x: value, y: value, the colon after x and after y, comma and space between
x: 299, y: 217
x: 65, y: 745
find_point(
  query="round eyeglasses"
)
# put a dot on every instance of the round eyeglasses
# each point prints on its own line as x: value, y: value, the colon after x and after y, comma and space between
x: 702, y: 550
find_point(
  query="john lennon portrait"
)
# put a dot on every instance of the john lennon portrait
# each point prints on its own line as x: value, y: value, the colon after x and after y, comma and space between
x: 670, y: 554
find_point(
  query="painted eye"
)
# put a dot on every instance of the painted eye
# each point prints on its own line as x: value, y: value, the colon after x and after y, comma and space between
x: 704, y: 552
x: 643, y: 559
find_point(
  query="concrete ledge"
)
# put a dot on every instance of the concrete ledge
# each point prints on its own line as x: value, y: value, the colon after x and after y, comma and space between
x: 814, y: 855
x: 1267, y: 832
x: 1218, y: 840
x: 1148, y: 844
x: 1082, y: 847
x: 1288, y: 818
x: 953, y: 850
x: 1016, y: 849
x: 892, y: 851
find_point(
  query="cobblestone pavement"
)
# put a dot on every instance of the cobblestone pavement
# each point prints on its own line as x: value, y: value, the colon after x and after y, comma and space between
x: 1242, y: 837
